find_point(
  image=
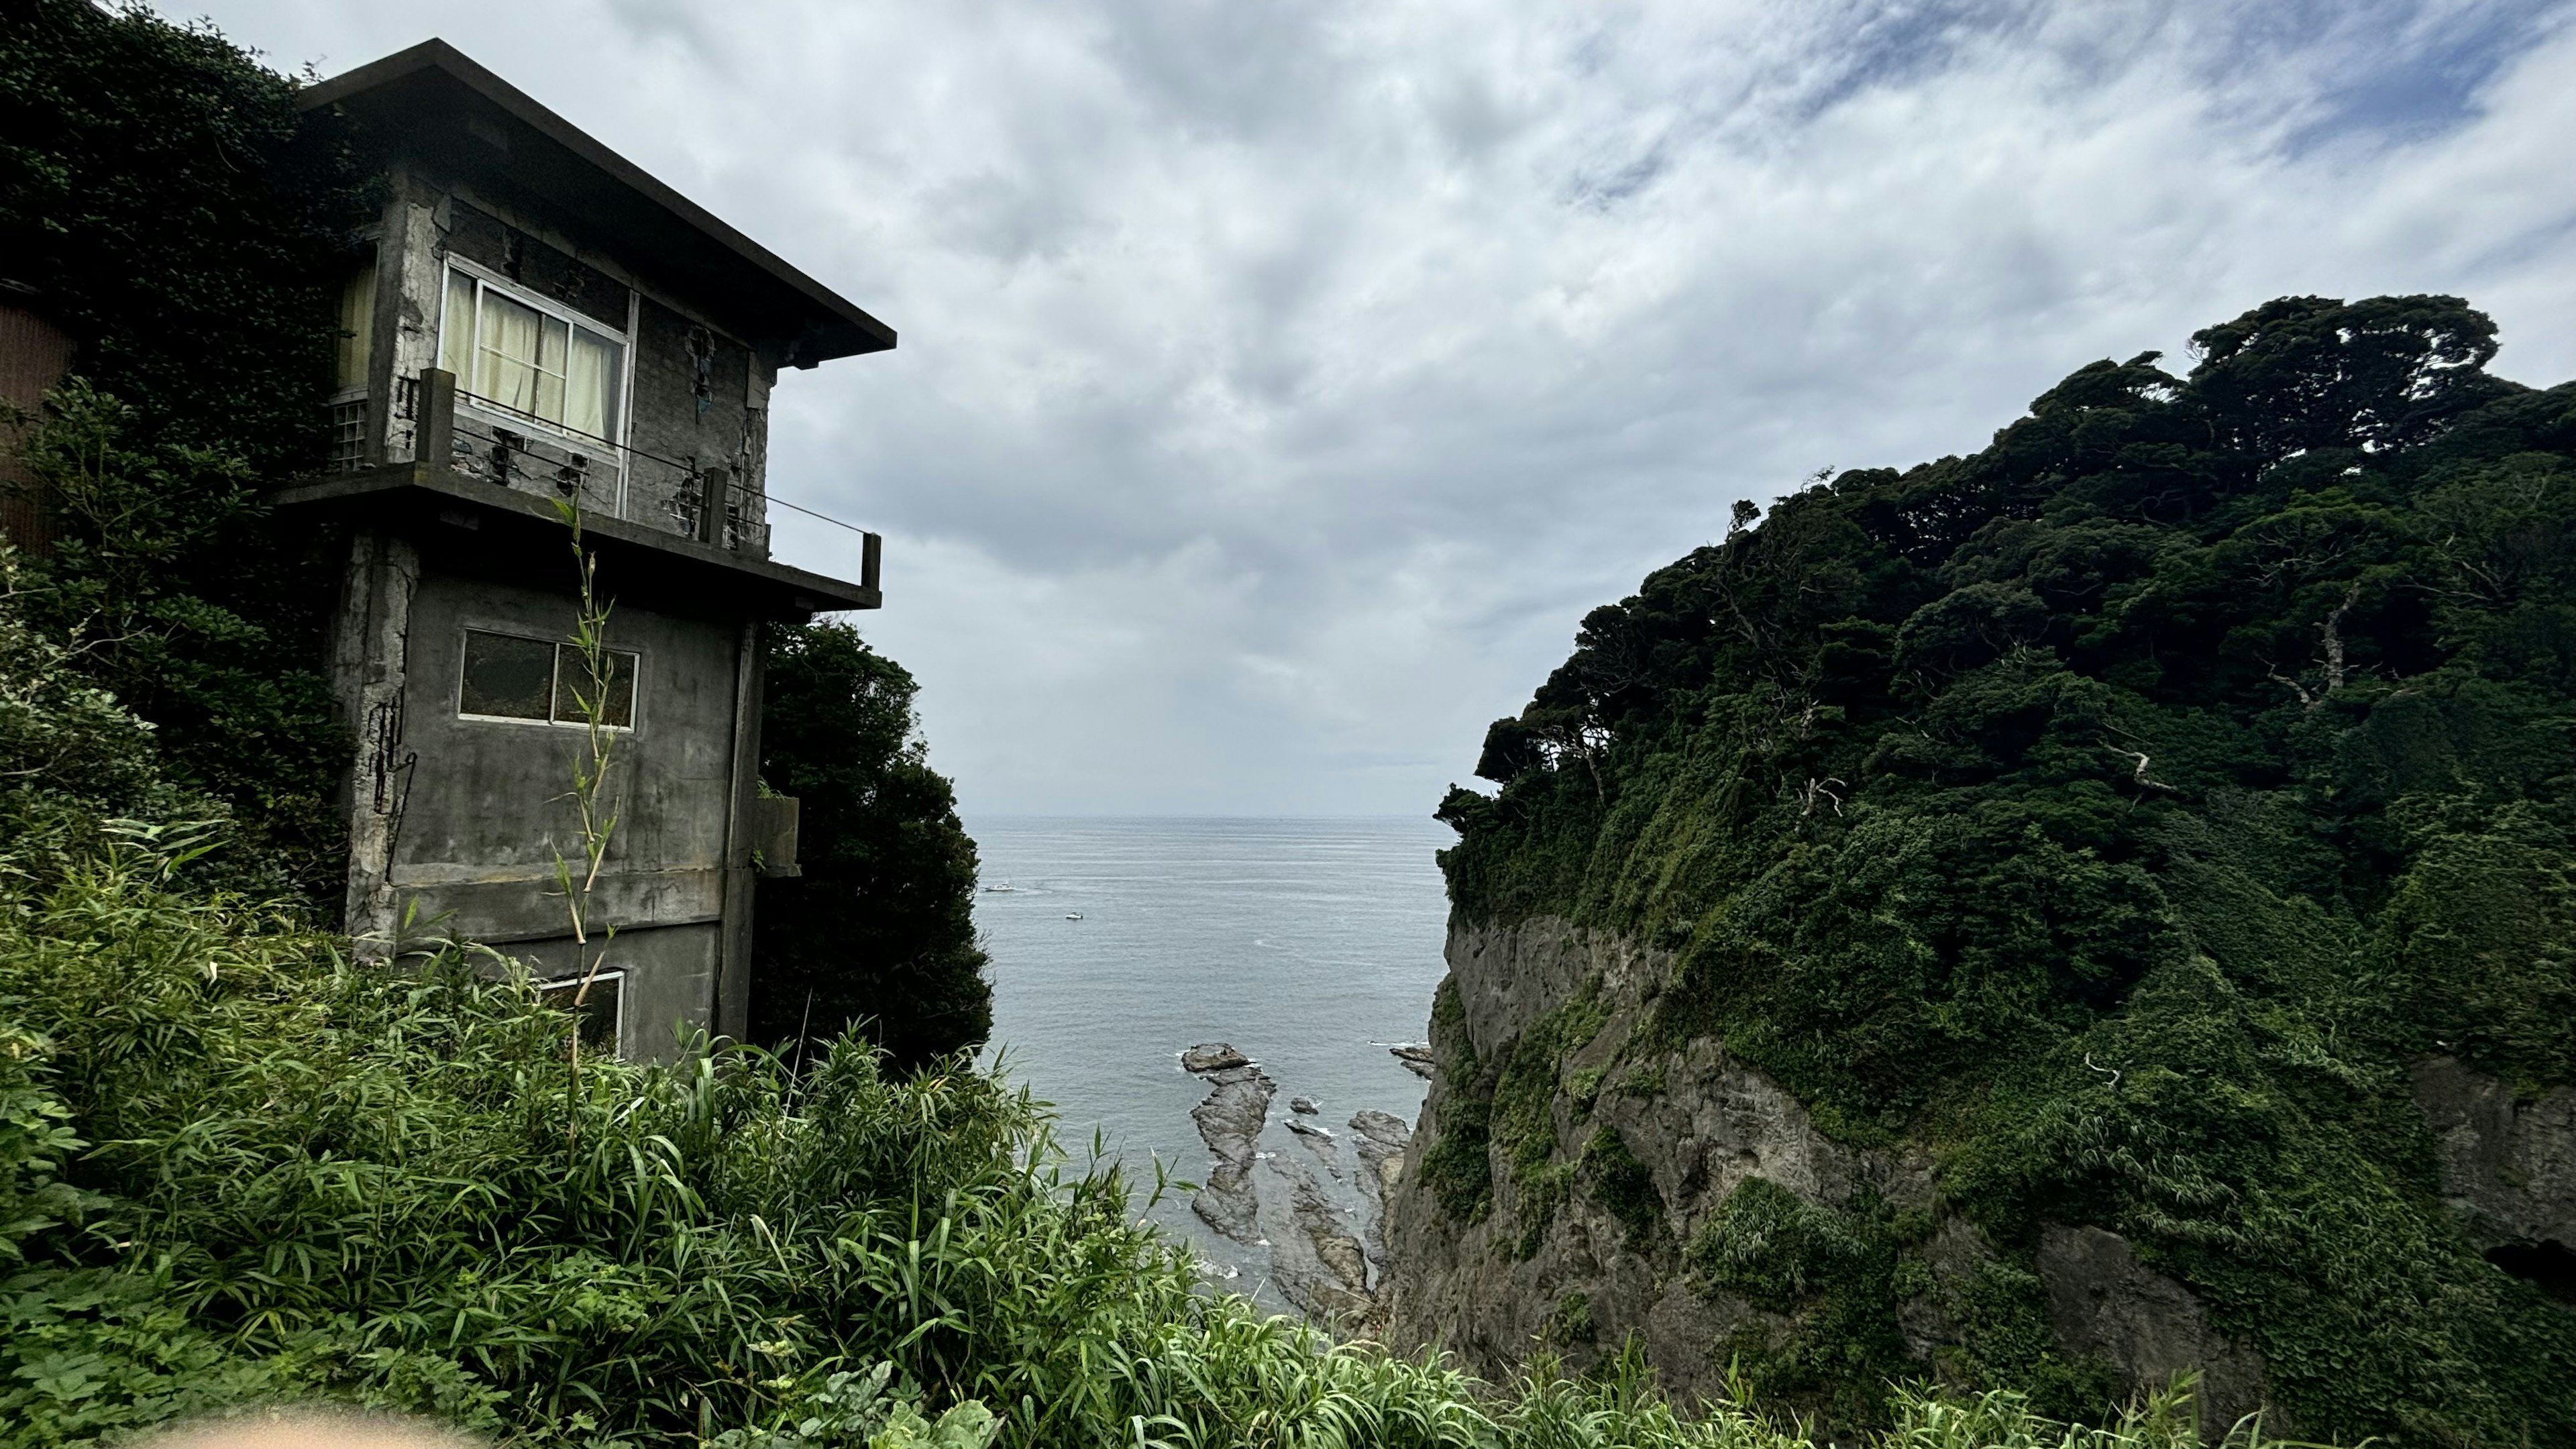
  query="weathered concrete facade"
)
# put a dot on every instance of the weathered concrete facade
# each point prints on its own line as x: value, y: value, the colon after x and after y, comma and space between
x: 537, y: 321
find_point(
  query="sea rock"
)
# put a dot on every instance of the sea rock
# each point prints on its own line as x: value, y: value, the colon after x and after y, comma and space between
x: 1416, y: 1059
x: 1320, y: 1267
x: 1230, y: 1123
x: 1214, y: 1056
x: 1307, y: 1105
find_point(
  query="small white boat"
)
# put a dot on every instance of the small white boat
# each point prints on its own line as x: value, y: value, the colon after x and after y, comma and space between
x: 1003, y: 889
x: 1073, y: 915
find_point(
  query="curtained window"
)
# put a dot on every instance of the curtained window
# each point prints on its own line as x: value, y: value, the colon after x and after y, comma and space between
x: 512, y: 353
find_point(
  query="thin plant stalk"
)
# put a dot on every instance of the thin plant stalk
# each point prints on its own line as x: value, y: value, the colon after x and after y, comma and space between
x: 592, y: 805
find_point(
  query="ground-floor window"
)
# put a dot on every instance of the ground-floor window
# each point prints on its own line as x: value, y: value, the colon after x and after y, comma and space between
x: 598, y: 1008
x: 508, y: 676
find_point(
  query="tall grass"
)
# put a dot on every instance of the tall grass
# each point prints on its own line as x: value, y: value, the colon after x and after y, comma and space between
x: 240, y: 1165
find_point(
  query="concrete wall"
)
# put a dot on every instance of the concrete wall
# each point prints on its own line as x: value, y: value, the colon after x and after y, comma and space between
x: 486, y: 804
x: 670, y: 980
x: 700, y: 397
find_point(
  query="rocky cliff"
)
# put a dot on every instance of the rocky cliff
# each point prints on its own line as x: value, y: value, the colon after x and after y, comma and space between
x: 1579, y: 1263
x: 2050, y: 919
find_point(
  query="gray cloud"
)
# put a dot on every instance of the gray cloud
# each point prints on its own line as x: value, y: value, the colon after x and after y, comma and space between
x: 1279, y: 384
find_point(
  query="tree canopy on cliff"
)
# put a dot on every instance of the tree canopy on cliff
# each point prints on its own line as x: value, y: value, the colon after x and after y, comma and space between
x: 2122, y: 810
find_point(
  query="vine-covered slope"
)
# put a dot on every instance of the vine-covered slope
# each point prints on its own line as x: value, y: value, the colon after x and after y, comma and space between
x: 2125, y: 814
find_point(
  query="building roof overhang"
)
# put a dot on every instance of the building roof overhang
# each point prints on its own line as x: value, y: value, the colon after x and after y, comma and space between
x: 433, y: 101
x: 526, y: 536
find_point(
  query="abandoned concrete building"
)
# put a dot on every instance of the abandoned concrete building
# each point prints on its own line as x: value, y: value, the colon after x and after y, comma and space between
x: 540, y: 320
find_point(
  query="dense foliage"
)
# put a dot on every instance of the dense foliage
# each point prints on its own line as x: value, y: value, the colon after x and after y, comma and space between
x: 181, y: 219
x: 176, y: 215
x: 237, y: 1167
x: 878, y: 934
x: 2120, y: 810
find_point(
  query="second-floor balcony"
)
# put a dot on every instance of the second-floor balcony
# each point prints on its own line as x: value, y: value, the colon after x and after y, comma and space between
x: 492, y: 442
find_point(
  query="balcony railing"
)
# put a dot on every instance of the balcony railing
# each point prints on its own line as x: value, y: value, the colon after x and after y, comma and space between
x: 708, y: 504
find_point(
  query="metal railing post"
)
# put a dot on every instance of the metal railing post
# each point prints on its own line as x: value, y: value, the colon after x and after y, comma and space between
x: 871, y: 554
x: 711, y: 502
x: 434, y: 441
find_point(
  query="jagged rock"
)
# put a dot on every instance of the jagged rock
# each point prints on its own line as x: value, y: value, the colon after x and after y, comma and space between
x: 1306, y: 1105
x: 1320, y: 1267
x: 1309, y: 1130
x: 1383, y: 1130
x: 1229, y: 1203
x: 1215, y: 1056
x: 1382, y: 1138
x: 2508, y: 1164
x: 1230, y: 1123
x: 2104, y: 1302
x: 1416, y: 1059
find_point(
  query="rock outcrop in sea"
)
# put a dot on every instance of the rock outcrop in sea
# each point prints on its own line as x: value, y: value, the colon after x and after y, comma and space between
x: 1230, y: 1122
x: 1312, y: 1218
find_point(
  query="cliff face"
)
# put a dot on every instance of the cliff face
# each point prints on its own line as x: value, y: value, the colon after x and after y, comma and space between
x: 1581, y: 1271
x: 2047, y: 919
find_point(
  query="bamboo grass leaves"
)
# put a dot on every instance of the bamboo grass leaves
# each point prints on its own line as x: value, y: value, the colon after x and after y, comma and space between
x: 593, y: 802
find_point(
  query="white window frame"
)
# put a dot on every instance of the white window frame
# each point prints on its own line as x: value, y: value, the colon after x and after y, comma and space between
x: 634, y: 719
x: 611, y: 451
x: 618, y: 974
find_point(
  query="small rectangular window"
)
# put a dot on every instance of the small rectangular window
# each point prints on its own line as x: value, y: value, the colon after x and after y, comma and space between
x: 598, y: 1008
x: 357, y: 328
x: 507, y: 677
x: 510, y: 677
x: 616, y: 691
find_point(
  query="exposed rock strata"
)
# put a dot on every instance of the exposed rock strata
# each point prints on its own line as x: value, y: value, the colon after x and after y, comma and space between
x: 1382, y: 1138
x: 2508, y: 1165
x: 1230, y: 1122
x: 1313, y: 1218
x: 2106, y: 1304
x: 1701, y: 1123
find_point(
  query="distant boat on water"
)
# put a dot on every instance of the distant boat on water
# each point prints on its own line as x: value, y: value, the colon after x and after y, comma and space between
x: 1073, y: 915
x: 995, y: 890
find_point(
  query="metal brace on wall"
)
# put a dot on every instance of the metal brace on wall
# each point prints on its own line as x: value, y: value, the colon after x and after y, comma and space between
x: 391, y: 766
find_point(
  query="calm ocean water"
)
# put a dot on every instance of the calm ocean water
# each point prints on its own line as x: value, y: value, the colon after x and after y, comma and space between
x: 1311, y: 945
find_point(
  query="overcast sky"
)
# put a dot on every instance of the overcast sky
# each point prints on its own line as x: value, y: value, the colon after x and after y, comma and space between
x: 1281, y: 380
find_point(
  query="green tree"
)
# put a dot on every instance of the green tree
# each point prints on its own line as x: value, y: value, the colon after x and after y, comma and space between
x: 190, y: 228
x: 879, y: 931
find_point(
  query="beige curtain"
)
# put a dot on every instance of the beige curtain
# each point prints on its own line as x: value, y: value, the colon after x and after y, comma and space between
x: 590, y: 386
x: 509, y: 346
x: 456, y: 331
x: 357, y: 326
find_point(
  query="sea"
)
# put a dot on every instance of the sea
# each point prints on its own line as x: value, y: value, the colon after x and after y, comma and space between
x: 1310, y: 945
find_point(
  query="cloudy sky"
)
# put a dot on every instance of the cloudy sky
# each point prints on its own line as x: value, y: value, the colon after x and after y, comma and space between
x: 1280, y: 382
